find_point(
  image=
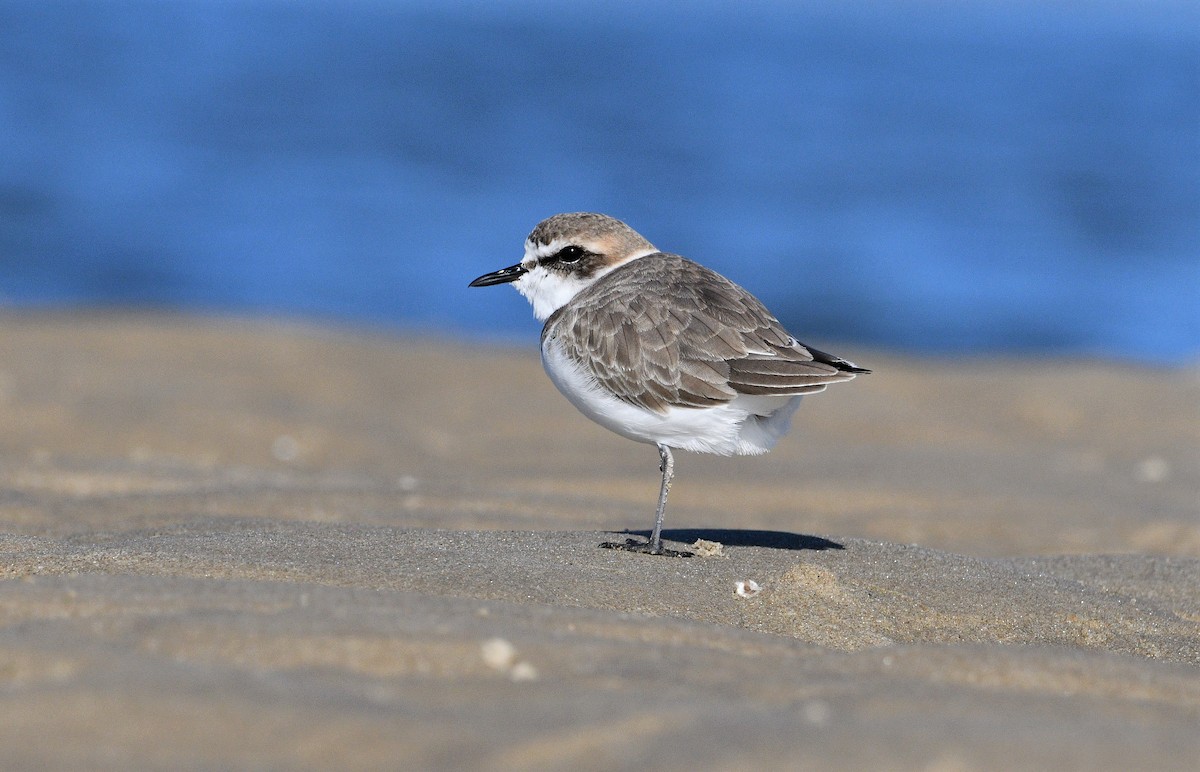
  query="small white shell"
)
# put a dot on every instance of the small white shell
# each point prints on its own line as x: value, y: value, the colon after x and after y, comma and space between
x: 746, y: 589
x: 498, y: 654
x: 523, y: 671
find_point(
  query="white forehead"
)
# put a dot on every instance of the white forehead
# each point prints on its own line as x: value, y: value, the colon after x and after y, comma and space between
x: 536, y: 250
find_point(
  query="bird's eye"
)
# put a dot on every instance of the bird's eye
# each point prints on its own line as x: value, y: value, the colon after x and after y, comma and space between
x: 569, y: 254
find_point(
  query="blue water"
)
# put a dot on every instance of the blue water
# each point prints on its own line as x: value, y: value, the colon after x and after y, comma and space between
x: 944, y: 178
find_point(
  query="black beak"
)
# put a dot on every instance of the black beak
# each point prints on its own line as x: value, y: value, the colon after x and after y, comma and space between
x: 503, y: 276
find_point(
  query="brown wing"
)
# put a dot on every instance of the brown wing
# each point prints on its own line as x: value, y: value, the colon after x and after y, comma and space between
x: 709, y: 343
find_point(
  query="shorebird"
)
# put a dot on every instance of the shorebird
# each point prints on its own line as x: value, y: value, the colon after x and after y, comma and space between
x: 660, y: 349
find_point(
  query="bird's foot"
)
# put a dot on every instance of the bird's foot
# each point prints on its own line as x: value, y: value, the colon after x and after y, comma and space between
x: 629, y: 545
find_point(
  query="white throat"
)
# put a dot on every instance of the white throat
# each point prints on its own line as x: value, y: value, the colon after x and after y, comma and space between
x: 548, y: 291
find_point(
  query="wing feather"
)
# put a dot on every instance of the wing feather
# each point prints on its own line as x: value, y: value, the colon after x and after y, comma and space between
x: 711, y: 342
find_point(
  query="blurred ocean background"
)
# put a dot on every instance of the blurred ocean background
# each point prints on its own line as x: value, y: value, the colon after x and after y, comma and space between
x: 942, y: 178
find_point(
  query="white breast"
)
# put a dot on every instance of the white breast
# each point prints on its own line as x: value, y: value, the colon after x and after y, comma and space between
x: 745, y: 426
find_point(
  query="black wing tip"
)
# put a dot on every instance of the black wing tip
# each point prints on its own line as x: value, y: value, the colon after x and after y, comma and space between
x: 842, y: 365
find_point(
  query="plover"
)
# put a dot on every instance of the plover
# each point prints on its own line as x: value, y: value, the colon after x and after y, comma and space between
x: 660, y: 349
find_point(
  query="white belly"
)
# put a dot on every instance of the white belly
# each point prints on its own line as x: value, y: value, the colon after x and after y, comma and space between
x: 748, y: 425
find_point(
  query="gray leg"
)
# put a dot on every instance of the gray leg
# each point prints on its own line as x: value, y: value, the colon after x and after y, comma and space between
x: 654, y: 545
x: 668, y: 473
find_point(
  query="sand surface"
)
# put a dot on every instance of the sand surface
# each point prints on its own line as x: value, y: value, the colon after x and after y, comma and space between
x: 240, y: 544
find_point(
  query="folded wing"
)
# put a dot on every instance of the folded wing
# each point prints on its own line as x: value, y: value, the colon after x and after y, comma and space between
x: 662, y: 331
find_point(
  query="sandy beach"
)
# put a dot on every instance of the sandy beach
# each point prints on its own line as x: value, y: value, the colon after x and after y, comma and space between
x: 252, y: 544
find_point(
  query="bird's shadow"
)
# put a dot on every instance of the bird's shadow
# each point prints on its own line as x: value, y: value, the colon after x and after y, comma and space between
x: 737, y: 537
